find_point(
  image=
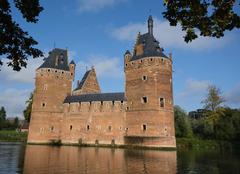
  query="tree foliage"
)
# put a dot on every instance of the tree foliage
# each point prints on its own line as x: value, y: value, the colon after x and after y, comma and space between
x: 2, y: 114
x: 214, y: 98
x: 182, y: 123
x: 208, y: 17
x: 28, y: 110
x: 15, y: 43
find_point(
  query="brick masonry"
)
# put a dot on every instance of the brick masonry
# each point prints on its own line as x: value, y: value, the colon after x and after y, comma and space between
x: 145, y: 118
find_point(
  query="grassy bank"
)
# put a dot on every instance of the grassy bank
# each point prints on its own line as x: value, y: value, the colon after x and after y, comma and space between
x: 12, y: 136
x: 198, y: 143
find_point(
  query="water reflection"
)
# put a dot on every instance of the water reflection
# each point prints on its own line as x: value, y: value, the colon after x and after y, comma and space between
x: 61, y: 160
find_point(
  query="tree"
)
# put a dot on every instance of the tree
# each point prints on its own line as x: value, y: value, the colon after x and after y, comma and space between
x: 214, y: 98
x: 182, y: 123
x: 2, y: 114
x: 28, y: 110
x: 15, y: 43
x: 209, y: 17
x: 16, y: 122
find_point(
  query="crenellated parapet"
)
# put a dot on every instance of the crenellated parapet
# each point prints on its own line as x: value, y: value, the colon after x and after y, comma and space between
x: 95, y: 106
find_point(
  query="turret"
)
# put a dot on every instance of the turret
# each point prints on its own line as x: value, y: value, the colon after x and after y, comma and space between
x: 150, y: 25
x: 148, y: 74
x: 53, y: 83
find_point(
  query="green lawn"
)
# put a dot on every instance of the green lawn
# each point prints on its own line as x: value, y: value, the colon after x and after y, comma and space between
x: 13, y: 136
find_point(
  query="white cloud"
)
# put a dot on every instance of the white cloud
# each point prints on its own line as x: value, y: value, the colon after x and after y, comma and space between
x: 194, y: 88
x: 168, y: 36
x: 14, y: 101
x: 26, y: 75
x: 96, y: 5
x: 109, y: 67
x: 233, y: 95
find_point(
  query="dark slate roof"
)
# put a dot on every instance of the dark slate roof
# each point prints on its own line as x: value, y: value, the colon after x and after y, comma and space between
x: 151, y: 47
x: 72, y: 62
x: 80, y: 85
x: 96, y: 97
x: 127, y: 52
x: 50, y: 61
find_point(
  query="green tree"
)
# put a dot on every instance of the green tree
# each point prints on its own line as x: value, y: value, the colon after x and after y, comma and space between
x: 2, y: 114
x: 208, y: 17
x: 16, y: 122
x: 15, y: 43
x: 182, y: 123
x: 28, y: 110
x: 214, y: 98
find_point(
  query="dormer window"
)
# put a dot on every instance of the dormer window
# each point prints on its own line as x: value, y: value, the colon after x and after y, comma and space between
x: 61, y: 58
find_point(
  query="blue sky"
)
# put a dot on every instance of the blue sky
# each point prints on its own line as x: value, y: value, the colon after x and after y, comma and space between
x: 98, y: 32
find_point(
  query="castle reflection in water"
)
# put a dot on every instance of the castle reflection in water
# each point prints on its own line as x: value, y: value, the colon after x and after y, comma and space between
x: 75, y: 160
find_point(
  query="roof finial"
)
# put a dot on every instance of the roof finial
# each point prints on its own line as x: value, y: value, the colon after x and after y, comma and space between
x: 150, y: 25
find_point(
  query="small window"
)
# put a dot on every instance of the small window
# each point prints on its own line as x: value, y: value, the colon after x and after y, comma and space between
x: 55, y: 71
x: 141, y: 61
x: 70, y: 127
x: 48, y: 70
x: 144, y: 127
x: 109, y: 128
x: 121, y: 102
x: 101, y: 102
x: 162, y: 102
x: 144, y: 78
x: 45, y: 87
x: 88, y: 127
x: 126, y: 64
x: 62, y: 72
x: 144, y: 99
x: 43, y: 105
x: 52, y: 128
x: 113, y: 102
x: 151, y: 59
x: 71, y: 74
x: 127, y: 108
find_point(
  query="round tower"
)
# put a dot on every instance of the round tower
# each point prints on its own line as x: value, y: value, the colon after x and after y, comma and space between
x: 149, y: 113
x: 53, y: 83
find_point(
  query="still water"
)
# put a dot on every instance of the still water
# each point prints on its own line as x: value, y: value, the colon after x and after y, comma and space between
x: 33, y: 159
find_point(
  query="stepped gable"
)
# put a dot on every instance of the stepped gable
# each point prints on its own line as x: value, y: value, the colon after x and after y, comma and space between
x: 57, y: 59
x: 146, y: 44
x: 120, y: 96
x: 88, y: 84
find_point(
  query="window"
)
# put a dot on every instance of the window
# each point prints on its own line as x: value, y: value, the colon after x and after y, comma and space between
x: 101, y: 102
x: 144, y: 127
x: 43, y: 105
x: 88, y: 127
x: 126, y: 64
x: 71, y: 127
x: 151, y: 59
x: 109, y: 128
x: 113, y: 102
x: 48, y: 70
x: 144, y: 99
x: 52, y: 128
x: 45, y: 87
x: 162, y: 102
x: 144, y: 78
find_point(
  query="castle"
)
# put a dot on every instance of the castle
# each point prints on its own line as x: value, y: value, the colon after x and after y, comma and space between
x: 142, y: 116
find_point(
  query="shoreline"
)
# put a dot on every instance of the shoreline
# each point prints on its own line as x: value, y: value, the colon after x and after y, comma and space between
x: 13, y: 136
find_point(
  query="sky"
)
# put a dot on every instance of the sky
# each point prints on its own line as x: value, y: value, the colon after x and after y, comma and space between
x: 98, y: 33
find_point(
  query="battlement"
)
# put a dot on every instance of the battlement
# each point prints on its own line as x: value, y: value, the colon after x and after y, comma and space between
x: 95, y: 106
x: 54, y: 73
x: 164, y: 63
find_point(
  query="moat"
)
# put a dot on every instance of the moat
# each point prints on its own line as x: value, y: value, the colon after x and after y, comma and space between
x: 28, y: 159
